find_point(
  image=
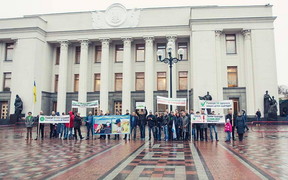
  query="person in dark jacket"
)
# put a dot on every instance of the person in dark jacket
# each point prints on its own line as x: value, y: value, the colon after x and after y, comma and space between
x: 77, y: 125
x: 133, y: 125
x: 53, y: 127
x: 40, y: 126
x: 178, y: 126
x: 142, y: 122
x: 89, y: 124
x: 244, y: 115
x: 258, y: 117
x: 240, y: 126
x: 165, y: 125
x: 151, y: 119
x: 159, y: 121
x: 29, y: 121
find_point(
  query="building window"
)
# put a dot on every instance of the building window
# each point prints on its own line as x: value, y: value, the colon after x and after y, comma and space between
x: 119, y: 53
x: 4, y: 109
x: 56, y: 83
x: 184, y: 46
x: 183, y: 79
x: 98, y: 53
x: 7, y: 81
x: 232, y: 76
x: 140, y: 81
x: 118, y: 81
x: 140, y: 52
x: 97, y: 82
x: 162, y: 107
x: 57, y: 55
x: 118, y: 107
x: 161, y: 81
x: 161, y: 47
x: 77, y: 54
x: 76, y: 82
x: 9, y: 51
x: 231, y: 44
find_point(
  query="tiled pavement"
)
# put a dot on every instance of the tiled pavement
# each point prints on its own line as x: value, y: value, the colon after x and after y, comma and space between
x: 260, y: 156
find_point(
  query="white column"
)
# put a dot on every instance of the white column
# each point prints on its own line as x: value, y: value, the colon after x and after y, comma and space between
x: 218, y: 69
x: 250, y: 96
x: 218, y: 65
x: 126, y: 83
x: 104, y: 86
x: 83, y: 78
x: 2, y: 58
x: 172, y: 39
x: 149, y: 73
x: 62, y: 83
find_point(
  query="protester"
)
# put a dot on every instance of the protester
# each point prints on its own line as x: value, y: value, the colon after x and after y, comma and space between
x: 29, y: 121
x: 178, y: 125
x: 240, y: 126
x: 213, y: 127
x: 244, y: 115
x: 193, y: 131
x: 89, y: 124
x: 77, y: 125
x: 151, y: 119
x: 198, y: 130
x: 171, y: 120
x: 68, y: 132
x: 40, y: 127
x: 117, y: 136
x: 185, y: 126
x: 159, y: 121
x: 125, y: 137
x: 142, y: 121
x: 204, y: 127
x: 60, y: 128
x: 228, y: 130
x: 133, y: 125
x: 53, y: 127
x: 258, y: 117
x: 165, y: 126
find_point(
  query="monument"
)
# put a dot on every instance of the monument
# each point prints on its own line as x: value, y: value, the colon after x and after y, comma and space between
x: 18, y: 107
x: 270, y: 107
x: 207, y: 97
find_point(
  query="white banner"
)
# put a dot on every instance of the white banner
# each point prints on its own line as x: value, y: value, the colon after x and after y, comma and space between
x: 54, y: 119
x: 140, y: 105
x: 226, y: 104
x: 91, y: 104
x: 207, y: 118
x: 171, y: 101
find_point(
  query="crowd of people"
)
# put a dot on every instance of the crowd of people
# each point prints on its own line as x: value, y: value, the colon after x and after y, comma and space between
x: 167, y: 126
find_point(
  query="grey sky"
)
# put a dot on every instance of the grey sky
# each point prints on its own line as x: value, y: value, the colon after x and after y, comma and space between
x: 18, y: 8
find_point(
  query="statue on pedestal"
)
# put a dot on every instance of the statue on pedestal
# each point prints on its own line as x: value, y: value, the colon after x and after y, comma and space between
x: 18, y: 107
x: 267, y: 100
x: 207, y: 97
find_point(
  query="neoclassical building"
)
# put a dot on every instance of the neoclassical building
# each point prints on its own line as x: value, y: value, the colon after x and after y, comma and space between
x: 110, y: 55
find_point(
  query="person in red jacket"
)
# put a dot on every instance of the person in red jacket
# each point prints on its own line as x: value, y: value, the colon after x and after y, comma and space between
x: 228, y: 130
x: 69, y: 127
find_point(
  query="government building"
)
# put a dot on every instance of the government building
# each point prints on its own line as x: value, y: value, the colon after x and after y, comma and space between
x: 111, y: 56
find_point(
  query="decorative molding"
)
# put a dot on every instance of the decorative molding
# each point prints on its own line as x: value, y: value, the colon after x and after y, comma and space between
x: 127, y: 41
x: 246, y: 33
x: 64, y: 44
x: 115, y: 16
x: 84, y: 43
x: 148, y: 41
x: 171, y: 38
x: 218, y: 33
x: 105, y: 42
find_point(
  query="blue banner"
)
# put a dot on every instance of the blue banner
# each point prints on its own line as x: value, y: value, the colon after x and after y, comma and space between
x: 114, y: 124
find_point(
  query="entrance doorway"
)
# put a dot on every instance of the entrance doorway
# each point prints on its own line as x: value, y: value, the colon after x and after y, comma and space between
x: 118, y: 107
x: 235, y: 105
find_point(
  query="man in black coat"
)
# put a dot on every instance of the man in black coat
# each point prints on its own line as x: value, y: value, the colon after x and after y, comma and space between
x: 142, y: 122
x: 77, y: 125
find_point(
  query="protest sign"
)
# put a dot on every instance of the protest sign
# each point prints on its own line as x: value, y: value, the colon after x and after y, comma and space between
x: 54, y: 119
x: 91, y: 104
x: 116, y: 124
x: 140, y: 105
x: 226, y: 104
x: 171, y: 101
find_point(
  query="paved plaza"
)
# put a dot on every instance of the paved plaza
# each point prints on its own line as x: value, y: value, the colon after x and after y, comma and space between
x: 262, y: 155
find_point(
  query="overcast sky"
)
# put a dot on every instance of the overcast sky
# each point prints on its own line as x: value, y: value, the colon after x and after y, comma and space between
x: 18, y: 8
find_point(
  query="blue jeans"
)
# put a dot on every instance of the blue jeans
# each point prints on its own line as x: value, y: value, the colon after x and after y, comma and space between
x: 213, y: 127
x: 154, y: 132
x: 166, y: 133
x: 228, y: 136
x: 60, y: 129
x: 68, y: 131
x: 89, y: 129
x: 159, y: 129
x: 142, y: 131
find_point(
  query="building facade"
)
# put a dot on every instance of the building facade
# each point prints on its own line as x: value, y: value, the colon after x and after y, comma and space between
x: 110, y: 56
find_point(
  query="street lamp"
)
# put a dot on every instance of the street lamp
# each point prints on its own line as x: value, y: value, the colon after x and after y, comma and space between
x: 170, y: 60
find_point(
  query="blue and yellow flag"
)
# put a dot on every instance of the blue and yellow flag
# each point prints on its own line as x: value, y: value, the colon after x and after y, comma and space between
x: 34, y: 92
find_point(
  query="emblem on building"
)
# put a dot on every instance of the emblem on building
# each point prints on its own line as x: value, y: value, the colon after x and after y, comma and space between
x: 115, y: 16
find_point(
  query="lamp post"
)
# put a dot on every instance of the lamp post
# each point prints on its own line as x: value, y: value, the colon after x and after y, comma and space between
x: 170, y: 61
